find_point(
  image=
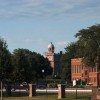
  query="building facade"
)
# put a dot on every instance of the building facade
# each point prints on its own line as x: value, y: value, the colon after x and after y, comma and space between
x: 54, y: 59
x: 79, y: 71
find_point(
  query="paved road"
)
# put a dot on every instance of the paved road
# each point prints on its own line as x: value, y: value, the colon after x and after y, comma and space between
x: 55, y: 90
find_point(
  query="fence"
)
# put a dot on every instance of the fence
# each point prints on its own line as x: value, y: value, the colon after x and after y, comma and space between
x: 20, y: 91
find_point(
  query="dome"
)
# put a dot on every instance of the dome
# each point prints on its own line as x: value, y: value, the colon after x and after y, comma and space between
x: 51, y: 45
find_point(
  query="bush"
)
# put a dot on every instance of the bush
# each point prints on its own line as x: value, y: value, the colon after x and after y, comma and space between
x: 53, y: 85
x: 78, y: 86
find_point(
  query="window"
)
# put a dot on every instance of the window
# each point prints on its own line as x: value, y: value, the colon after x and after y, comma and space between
x: 82, y: 66
x: 79, y: 69
x: 86, y: 80
x: 90, y: 80
x: 82, y: 75
x: 92, y: 69
x: 72, y: 69
x: 94, y: 79
x: 85, y: 72
x: 89, y: 69
x: 75, y: 69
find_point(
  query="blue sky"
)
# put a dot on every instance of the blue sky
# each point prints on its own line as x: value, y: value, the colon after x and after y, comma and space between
x: 33, y: 24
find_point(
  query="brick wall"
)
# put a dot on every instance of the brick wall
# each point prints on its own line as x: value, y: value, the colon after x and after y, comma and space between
x: 88, y: 74
x: 95, y: 93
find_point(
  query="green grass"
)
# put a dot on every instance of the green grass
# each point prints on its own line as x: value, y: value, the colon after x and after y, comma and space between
x: 42, y: 98
x: 17, y: 96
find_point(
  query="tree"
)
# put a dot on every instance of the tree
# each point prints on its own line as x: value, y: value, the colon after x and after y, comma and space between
x: 28, y: 65
x: 87, y: 47
x: 41, y: 64
x: 65, y: 69
x: 89, y: 44
x: 21, y: 66
x: 5, y: 61
x: 71, y: 52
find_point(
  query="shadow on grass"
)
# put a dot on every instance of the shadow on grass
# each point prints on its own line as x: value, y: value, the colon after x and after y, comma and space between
x: 16, y: 94
x: 25, y: 94
x: 78, y: 97
x: 49, y: 96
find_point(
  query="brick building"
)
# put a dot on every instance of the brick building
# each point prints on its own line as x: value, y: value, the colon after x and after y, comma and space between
x: 79, y: 71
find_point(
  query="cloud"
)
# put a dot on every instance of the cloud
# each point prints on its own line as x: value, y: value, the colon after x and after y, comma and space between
x: 40, y: 45
x: 38, y: 41
x: 48, y: 9
x: 62, y: 43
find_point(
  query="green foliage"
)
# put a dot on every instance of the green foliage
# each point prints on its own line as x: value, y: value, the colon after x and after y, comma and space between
x: 89, y: 44
x: 71, y: 52
x: 28, y: 66
x: 87, y: 47
x: 21, y: 66
x: 53, y: 85
x: 5, y: 61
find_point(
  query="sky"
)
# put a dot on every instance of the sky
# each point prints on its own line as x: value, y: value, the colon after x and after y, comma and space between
x: 33, y: 24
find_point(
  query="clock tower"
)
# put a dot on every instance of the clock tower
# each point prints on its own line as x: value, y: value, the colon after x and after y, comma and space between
x: 51, y: 48
x: 54, y: 59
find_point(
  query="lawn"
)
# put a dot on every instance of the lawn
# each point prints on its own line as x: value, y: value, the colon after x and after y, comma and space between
x: 42, y: 98
x: 49, y: 97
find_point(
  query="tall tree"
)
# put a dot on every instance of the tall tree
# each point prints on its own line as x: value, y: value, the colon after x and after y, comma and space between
x: 71, y: 52
x: 89, y: 44
x: 41, y: 64
x: 21, y: 65
x: 28, y: 65
x: 87, y: 47
x: 5, y: 61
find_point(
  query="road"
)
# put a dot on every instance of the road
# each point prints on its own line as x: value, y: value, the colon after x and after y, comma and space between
x: 55, y: 90
x: 67, y: 91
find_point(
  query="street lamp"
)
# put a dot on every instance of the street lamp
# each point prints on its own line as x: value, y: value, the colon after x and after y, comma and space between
x: 43, y: 71
x: 55, y: 81
x: 45, y: 80
x: 55, y: 76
